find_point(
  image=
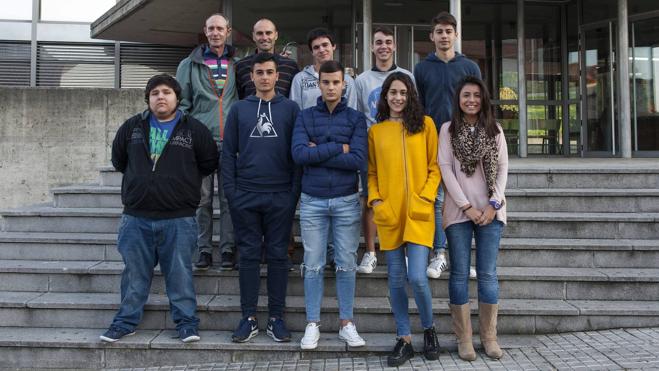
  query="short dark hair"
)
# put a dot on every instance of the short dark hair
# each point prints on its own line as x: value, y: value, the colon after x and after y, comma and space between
x: 445, y: 18
x: 384, y: 30
x: 330, y: 67
x: 319, y: 32
x: 262, y: 58
x: 162, y: 79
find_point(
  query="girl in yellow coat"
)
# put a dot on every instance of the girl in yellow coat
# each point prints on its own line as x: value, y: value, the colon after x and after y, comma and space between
x: 402, y: 184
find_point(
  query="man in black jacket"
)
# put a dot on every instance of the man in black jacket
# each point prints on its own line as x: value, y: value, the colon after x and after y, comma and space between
x: 163, y: 155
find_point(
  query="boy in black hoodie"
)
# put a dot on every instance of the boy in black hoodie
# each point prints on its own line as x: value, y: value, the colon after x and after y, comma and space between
x: 262, y: 185
x: 162, y: 154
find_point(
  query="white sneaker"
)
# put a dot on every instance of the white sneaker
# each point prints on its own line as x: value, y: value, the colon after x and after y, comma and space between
x: 472, y: 272
x: 348, y: 333
x: 311, y: 336
x: 368, y: 264
x: 437, y: 266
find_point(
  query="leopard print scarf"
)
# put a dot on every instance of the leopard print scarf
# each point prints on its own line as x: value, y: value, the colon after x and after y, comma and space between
x: 470, y: 147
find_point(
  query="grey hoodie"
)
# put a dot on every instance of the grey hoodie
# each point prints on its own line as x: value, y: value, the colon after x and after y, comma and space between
x: 305, y: 90
x: 369, y: 85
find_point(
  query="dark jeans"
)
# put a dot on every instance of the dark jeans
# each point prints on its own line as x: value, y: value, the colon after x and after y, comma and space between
x: 143, y: 243
x: 262, y: 219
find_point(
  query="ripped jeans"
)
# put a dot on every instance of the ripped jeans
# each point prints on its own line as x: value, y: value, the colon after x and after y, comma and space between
x: 317, y: 216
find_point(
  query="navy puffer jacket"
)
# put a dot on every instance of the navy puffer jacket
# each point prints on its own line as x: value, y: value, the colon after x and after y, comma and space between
x: 328, y: 172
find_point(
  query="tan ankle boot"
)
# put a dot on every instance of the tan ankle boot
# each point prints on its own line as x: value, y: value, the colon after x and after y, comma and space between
x: 487, y: 319
x: 461, y: 316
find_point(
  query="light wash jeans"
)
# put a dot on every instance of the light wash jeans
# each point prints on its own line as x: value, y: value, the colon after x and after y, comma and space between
x: 317, y: 216
x: 143, y: 243
x: 439, y: 242
x: 415, y: 274
x: 487, y: 248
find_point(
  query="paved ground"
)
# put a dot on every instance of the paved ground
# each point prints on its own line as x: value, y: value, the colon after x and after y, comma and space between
x: 626, y: 349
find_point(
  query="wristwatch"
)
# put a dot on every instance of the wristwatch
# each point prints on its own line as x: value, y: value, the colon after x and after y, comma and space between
x: 496, y: 205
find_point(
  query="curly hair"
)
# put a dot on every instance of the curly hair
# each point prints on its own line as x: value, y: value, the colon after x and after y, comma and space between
x: 413, y: 111
x: 486, y: 118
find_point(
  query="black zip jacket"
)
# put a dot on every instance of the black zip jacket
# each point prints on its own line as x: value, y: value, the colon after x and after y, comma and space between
x: 170, y: 189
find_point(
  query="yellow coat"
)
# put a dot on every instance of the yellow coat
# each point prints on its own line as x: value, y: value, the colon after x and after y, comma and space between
x: 403, y: 173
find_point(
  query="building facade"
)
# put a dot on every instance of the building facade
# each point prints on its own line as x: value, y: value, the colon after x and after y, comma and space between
x: 553, y: 67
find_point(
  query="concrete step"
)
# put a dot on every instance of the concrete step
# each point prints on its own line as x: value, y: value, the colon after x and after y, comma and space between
x: 514, y: 282
x: 583, y: 173
x: 38, y: 347
x: 109, y: 177
x: 520, y: 224
x: 514, y: 252
x: 222, y: 312
x: 93, y: 196
x: 582, y: 200
x: 519, y: 199
x: 546, y: 173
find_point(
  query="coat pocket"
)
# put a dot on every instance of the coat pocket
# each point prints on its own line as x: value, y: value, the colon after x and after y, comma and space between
x: 384, y: 214
x: 420, y: 209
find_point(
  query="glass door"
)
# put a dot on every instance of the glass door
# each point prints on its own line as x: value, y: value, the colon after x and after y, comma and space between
x: 644, y: 71
x: 599, y: 129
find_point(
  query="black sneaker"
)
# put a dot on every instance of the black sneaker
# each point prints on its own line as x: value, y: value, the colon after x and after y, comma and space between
x: 430, y: 344
x: 205, y: 261
x: 402, y: 353
x: 188, y: 335
x: 227, y: 261
x: 277, y: 330
x: 247, y: 329
x: 115, y: 333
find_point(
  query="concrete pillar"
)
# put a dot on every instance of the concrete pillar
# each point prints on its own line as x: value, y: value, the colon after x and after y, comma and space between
x: 33, y: 43
x: 624, y: 102
x: 367, y: 13
x: 455, y: 8
x: 521, y: 80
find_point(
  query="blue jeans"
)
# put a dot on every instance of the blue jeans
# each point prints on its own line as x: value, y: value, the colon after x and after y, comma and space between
x: 487, y: 247
x: 439, y: 242
x: 143, y: 243
x: 317, y: 216
x: 415, y: 274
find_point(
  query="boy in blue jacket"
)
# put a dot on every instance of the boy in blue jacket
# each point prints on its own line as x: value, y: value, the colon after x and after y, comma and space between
x: 330, y: 142
x: 262, y: 185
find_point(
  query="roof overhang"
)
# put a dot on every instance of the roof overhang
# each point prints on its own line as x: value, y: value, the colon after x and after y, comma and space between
x: 176, y: 22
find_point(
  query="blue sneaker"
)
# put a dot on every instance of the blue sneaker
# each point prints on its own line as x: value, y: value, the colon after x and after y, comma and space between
x: 247, y: 329
x: 115, y: 333
x: 188, y: 335
x: 277, y: 330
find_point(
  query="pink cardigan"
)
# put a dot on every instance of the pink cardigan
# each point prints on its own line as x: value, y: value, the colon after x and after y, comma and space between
x: 461, y: 189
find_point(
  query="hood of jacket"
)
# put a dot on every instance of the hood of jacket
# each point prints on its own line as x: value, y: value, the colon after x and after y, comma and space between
x: 432, y: 57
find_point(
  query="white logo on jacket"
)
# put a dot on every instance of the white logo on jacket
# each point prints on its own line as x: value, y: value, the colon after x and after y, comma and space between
x: 264, y: 128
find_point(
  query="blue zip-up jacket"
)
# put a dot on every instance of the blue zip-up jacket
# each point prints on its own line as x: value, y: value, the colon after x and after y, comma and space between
x: 328, y: 172
x: 436, y: 81
x: 256, y: 156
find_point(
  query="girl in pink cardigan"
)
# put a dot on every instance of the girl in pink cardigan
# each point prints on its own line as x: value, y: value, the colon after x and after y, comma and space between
x: 473, y: 158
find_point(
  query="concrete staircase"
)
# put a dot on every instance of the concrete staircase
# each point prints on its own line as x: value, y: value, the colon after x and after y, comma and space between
x: 581, y: 252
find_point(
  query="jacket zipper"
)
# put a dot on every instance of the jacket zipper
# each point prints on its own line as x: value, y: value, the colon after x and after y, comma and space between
x: 328, y: 135
x: 164, y: 149
x: 407, y: 193
x: 220, y: 97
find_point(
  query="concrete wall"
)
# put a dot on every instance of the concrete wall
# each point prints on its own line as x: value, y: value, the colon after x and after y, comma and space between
x: 57, y: 136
